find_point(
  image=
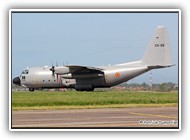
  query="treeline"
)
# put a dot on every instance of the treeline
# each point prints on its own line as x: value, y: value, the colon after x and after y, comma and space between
x: 169, y: 86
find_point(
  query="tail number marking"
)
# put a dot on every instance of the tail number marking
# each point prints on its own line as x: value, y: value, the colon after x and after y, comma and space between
x: 158, y: 45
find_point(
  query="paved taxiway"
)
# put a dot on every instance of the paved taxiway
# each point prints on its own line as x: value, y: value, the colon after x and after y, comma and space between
x: 110, y: 117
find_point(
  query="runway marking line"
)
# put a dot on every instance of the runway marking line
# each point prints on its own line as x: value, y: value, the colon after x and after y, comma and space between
x: 153, y: 115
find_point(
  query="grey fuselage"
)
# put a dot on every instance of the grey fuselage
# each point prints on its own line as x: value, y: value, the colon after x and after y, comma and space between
x: 41, y: 77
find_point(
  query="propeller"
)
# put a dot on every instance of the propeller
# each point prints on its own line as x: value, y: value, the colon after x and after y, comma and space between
x: 64, y: 64
x: 53, y: 72
x: 56, y: 64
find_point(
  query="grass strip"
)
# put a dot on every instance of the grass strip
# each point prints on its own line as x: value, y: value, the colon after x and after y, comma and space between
x: 76, y: 100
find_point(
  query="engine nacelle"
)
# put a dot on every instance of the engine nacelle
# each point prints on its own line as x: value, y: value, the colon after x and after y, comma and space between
x: 61, y: 70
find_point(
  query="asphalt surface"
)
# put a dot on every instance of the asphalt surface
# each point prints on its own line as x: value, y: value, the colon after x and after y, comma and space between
x: 111, y: 117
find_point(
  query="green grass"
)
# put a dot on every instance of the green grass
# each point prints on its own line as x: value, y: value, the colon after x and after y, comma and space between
x: 72, y: 99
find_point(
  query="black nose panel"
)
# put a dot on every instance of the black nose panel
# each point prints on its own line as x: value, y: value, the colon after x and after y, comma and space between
x: 16, y: 80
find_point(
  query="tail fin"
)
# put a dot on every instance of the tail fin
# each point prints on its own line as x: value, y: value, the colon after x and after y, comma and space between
x: 158, y: 52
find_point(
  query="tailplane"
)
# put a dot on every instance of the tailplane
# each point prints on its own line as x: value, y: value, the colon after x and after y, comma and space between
x: 158, y: 52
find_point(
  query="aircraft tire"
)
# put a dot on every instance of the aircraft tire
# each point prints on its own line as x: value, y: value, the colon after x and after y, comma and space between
x: 31, y: 89
x: 90, y: 89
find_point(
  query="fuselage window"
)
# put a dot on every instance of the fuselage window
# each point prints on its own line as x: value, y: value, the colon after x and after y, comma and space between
x: 25, y: 72
x: 23, y: 77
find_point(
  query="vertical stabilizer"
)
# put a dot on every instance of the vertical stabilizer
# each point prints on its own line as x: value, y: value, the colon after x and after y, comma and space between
x: 158, y: 52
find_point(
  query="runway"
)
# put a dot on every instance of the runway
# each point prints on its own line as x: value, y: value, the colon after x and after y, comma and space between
x: 109, y: 117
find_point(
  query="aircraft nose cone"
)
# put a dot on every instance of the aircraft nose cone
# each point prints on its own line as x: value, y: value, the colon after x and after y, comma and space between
x: 16, y: 80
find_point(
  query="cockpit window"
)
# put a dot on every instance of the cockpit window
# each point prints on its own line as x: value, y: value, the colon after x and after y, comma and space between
x: 25, y: 72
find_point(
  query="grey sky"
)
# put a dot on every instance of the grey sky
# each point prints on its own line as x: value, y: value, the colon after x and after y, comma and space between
x: 93, y: 39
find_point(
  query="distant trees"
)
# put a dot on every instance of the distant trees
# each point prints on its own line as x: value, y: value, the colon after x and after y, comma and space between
x: 168, y: 86
x: 156, y: 87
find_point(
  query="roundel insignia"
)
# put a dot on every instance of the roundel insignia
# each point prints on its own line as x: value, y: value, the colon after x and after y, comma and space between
x: 117, y: 74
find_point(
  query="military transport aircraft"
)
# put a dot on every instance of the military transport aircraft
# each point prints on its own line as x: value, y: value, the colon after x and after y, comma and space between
x: 86, y: 78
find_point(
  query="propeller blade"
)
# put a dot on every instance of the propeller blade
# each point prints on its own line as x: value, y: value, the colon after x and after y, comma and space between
x: 57, y: 77
x: 56, y: 64
x: 53, y: 70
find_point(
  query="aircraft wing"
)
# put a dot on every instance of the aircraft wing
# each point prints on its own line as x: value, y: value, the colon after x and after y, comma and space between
x: 76, y: 69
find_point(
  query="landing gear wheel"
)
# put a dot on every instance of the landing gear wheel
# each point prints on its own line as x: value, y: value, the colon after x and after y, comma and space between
x: 89, y: 89
x: 31, y: 89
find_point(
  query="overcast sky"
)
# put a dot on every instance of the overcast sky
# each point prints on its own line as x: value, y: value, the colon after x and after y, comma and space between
x: 92, y: 39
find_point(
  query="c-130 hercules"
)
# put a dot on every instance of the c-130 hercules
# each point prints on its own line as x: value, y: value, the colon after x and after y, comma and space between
x: 86, y: 78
